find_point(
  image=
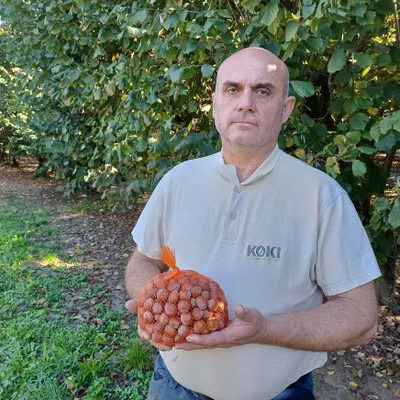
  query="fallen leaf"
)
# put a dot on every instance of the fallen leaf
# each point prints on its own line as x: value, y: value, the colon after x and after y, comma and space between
x: 393, y: 368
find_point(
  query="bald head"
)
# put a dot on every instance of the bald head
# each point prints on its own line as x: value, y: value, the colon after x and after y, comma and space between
x: 270, y: 62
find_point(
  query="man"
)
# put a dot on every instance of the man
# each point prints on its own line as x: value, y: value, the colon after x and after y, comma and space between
x: 281, y: 238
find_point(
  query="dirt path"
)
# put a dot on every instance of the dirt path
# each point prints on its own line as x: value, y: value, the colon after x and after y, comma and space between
x: 102, y: 241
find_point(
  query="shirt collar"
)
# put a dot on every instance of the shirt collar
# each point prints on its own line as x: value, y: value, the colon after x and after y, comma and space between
x: 229, y: 171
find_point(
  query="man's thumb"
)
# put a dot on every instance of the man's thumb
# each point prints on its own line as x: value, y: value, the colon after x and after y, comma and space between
x: 243, y: 313
x: 131, y: 305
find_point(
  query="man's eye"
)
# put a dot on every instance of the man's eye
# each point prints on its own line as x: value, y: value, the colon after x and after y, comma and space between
x: 263, y: 92
x: 231, y: 90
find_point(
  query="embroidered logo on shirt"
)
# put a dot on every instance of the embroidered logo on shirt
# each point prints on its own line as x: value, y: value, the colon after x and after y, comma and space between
x: 263, y: 252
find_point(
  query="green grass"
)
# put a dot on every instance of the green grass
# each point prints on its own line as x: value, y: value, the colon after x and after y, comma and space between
x: 57, y: 339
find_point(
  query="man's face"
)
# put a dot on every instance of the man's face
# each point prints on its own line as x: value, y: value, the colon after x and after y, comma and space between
x: 250, y: 102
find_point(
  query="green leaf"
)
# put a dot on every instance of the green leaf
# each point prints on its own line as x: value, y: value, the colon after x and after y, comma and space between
x: 273, y: 47
x: 394, y: 215
x: 375, y: 131
x: 350, y: 105
x: 225, y: 14
x: 275, y: 25
x: 339, y: 140
x: 367, y: 150
x: 386, y: 143
x: 364, y: 103
x: 142, y: 144
x: 359, y: 121
x: 360, y: 10
x: 359, y: 168
x: 140, y: 16
x: 172, y: 21
x: 190, y: 46
x: 195, y: 28
x: 170, y: 55
x: 337, y: 105
x: 56, y: 29
x: 308, y: 10
x: 291, y: 30
x: 396, y: 126
x: 74, y: 75
x: 306, y: 119
x: 383, y: 60
x: 385, y: 124
x: 152, y: 98
x: 110, y: 138
x: 302, y: 88
x: 354, y: 136
x: 134, y: 32
x: 364, y: 60
x: 182, y: 15
x: 332, y: 166
x: 269, y: 12
x: 319, y: 13
x: 367, y: 19
x: 207, y: 70
x: 250, y: 5
x: 110, y: 89
x: 176, y: 74
x: 314, y: 44
x: 319, y: 130
x: 104, y: 19
x: 343, y: 77
x: 289, y: 51
x: 380, y: 203
x: 337, y: 61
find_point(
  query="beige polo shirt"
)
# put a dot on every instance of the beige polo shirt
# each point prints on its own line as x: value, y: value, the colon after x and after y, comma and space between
x: 278, y: 241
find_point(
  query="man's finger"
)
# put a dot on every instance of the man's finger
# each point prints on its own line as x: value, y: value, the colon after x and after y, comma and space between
x: 210, y: 339
x: 243, y: 313
x: 143, y: 334
x: 189, y: 346
x: 131, y: 305
x: 160, y: 346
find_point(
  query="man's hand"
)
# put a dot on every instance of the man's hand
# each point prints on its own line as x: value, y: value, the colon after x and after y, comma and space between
x: 131, y: 305
x: 247, y: 327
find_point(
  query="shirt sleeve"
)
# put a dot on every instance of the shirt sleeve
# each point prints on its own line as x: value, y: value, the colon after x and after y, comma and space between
x: 148, y: 232
x: 345, y: 259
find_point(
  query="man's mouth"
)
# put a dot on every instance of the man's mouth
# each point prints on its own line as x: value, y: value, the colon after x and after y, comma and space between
x: 243, y: 123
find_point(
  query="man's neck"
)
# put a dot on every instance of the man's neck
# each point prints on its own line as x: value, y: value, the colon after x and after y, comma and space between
x: 246, y: 161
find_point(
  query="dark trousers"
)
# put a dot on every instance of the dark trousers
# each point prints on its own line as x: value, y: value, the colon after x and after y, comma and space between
x: 164, y: 387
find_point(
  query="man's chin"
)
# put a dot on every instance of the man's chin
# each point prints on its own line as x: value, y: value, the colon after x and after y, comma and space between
x: 246, y: 144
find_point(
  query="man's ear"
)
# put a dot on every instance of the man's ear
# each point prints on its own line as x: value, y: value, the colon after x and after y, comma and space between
x: 288, y: 106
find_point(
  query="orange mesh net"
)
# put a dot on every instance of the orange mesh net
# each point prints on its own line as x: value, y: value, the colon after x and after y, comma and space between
x: 176, y: 303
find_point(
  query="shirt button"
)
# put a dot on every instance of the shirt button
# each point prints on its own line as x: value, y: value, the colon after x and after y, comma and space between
x: 238, y: 189
x: 233, y: 215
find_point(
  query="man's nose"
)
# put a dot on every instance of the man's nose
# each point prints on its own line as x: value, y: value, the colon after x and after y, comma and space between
x: 246, y: 101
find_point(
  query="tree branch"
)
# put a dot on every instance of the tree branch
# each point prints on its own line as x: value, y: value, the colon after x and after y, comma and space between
x: 396, y: 16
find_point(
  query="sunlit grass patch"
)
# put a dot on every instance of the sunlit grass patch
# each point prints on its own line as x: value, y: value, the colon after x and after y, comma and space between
x: 54, y: 261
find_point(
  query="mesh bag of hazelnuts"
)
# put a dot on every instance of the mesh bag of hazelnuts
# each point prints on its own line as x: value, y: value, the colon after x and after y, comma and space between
x: 176, y: 303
